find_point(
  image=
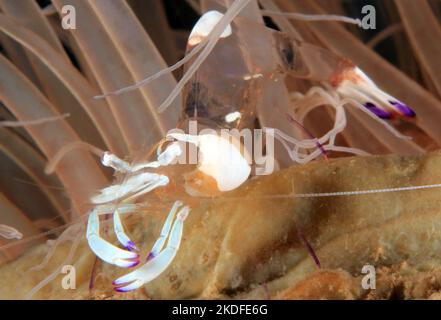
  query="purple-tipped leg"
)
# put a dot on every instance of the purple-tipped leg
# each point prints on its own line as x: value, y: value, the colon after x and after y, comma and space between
x: 403, y: 109
x: 383, y: 114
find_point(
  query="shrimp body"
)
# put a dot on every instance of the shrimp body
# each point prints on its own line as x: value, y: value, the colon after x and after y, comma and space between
x: 225, y: 93
x: 233, y: 78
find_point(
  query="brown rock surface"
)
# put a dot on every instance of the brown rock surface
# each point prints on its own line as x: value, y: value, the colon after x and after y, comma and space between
x: 247, y: 245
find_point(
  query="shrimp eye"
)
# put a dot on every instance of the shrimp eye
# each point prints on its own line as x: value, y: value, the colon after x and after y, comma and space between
x: 287, y: 54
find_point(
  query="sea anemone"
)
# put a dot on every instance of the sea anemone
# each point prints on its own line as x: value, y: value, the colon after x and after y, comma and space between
x: 113, y: 86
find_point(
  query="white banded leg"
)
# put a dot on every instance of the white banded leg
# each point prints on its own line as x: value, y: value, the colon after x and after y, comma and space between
x: 159, y: 244
x: 158, y: 264
x: 172, y: 152
x: 134, y: 186
x: 120, y: 233
x: 159, y: 181
x: 104, y: 249
x: 163, y: 159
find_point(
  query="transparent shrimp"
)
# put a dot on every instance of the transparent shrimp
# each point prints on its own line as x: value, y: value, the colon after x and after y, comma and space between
x: 244, y: 76
x: 226, y: 92
x: 234, y: 83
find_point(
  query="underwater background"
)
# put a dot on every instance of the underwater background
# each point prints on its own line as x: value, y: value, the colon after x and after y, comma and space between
x: 307, y: 230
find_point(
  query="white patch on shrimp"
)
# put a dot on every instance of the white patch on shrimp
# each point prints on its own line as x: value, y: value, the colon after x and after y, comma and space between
x: 203, y: 27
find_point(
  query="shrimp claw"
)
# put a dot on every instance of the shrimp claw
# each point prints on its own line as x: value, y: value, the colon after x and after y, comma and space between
x: 104, y: 249
x: 158, y: 260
